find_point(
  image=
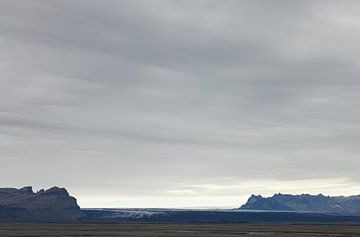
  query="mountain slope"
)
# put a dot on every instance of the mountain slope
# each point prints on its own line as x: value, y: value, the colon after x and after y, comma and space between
x: 304, y: 203
x: 52, y: 204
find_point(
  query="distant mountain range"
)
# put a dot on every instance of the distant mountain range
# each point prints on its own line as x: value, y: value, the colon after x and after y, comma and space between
x: 54, y: 204
x: 304, y: 203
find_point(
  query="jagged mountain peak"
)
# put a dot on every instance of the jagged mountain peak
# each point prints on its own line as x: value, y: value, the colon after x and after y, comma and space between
x: 304, y: 203
x: 53, y: 203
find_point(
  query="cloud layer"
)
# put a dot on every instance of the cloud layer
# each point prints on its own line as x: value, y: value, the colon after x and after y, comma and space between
x: 152, y: 100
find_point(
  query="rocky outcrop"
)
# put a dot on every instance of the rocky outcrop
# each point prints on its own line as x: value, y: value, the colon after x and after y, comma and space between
x: 304, y: 203
x: 54, y: 204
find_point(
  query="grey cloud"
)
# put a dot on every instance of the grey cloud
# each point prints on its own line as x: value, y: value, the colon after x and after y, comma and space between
x: 147, y: 95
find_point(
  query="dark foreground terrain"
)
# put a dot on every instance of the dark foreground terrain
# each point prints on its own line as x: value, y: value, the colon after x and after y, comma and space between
x: 194, y: 230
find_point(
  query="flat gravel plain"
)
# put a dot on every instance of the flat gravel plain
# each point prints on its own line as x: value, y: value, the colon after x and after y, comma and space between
x: 186, y: 230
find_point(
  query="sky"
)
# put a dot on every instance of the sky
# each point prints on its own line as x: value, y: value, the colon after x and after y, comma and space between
x: 180, y: 103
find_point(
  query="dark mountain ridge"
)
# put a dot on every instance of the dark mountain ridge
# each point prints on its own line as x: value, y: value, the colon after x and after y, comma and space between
x: 52, y: 204
x: 304, y: 203
x: 56, y: 205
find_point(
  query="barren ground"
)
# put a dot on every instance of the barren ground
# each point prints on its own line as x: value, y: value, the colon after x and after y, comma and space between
x: 208, y: 230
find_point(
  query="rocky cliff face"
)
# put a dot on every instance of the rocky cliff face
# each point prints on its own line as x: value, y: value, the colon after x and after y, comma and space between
x: 304, y: 203
x: 52, y: 204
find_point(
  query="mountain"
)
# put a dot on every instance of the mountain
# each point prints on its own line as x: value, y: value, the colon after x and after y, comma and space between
x: 304, y: 203
x: 24, y: 205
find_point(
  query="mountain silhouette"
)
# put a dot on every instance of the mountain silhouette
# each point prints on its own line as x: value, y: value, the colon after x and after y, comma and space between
x: 304, y: 203
x: 52, y: 204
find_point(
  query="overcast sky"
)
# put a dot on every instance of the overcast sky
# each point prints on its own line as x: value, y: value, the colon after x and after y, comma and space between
x: 180, y: 103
